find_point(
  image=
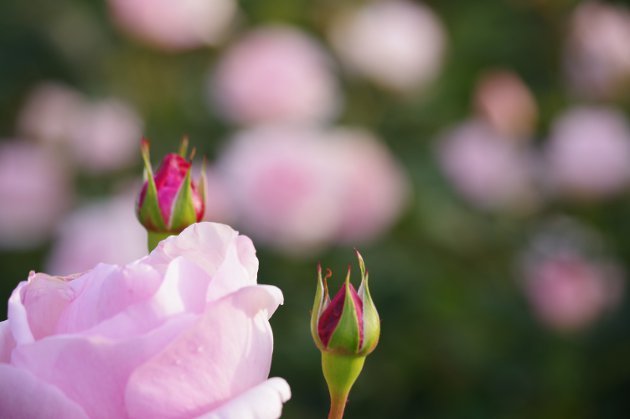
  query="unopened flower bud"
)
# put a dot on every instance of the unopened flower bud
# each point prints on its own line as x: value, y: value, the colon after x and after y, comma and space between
x: 169, y: 200
x: 345, y: 329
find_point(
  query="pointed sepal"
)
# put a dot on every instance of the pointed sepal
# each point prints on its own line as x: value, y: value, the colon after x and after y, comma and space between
x: 183, y: 212
x: 148, y: 208
x: 346, y: 337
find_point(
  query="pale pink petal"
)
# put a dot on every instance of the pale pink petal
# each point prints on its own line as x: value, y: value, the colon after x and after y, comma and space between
x: 261, y: 402
x: 23, y: 396
x: 226, y: 352
x: 44, y: 299
x: 18, y: 318
x: 6, y: 341
x: 183, y: 289
x: 228, y: 258
x: 104, y: 292
x: 93, y: 371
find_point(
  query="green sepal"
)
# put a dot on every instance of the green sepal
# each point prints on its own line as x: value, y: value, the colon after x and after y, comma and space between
x: 183, y: 212
x: 183, y: 147
x: 322, y: 299
x: 346, y: 337
x: 149, y: 212
x: 203, y: 181
x: 371, y: 320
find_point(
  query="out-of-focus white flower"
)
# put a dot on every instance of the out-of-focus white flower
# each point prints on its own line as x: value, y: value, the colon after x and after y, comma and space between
x: 395, y: 43
x: 275, y: 74
x: 568, y: 288
x: 34, y: 193
x: 174, y: 25
x: 597, y: 56
x: 283, y: 187
x: 506, y: 104
x: 99, y: 232
x: 588, y: 154
x: 488, y: 170
x: 99, y: 136
x: 373, y: 186
x: 50, y: 113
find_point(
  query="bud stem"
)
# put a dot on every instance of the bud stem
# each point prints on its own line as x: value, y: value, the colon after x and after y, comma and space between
x: 340, y: 372
x: 155, y: 237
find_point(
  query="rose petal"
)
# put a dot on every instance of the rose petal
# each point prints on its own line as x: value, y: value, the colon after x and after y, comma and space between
x: 183, y: 289
x: 227, y: 351
x: 44, y: 299
x: 261, y: 402
x: 24, y: 396
x: 230, y: 259
x: 105, y: 291
x: 18, y: 318
x: 6, y: 341
x: 92, y: 370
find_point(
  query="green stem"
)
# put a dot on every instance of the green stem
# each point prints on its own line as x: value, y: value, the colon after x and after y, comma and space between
x: 337, y: 405
x: 154, y: 238
x: 340, y: 372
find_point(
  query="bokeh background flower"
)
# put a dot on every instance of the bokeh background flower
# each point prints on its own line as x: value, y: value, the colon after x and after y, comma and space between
x: 448, y: 141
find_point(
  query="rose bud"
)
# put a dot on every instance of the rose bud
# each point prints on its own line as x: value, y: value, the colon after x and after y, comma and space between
x: 170, y: 200
x: 345, y: 330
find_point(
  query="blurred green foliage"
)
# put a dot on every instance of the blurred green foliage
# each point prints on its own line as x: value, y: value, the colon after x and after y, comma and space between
x: 458, y: 338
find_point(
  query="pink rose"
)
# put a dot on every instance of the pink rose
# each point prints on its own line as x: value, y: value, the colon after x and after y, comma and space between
x: 275, y: 74
x: 100, y: 231
x: 597, y: 57
x: 180, y: 333
x: 487, y: 169
x: 174, y: 25
x: 588, y: 154
x: 569, y: 279
x: 35, y: 192
x: 397, y: 44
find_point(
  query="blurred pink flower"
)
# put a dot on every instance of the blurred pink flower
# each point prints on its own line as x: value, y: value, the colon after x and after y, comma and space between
x: 106, y: 136
x: 34, y: 193
x: 183, y: 332
x: 568, y: 289
x: 50, y: 113
x: 488, y: 170
x: 303, y: 189
x: 395, y: 43
x: 588, y: 154
x: 283, y: 187
x: 597, y: 57
x: 373, y: 186
x: 98, y: 136
x: 275, y: 74
x: 219, y: 206
x: 174, y: 25
x: 506, y: 104
x: 105, y: 232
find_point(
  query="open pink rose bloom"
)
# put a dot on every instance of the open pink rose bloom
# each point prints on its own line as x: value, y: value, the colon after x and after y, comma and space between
x: 181, y: 333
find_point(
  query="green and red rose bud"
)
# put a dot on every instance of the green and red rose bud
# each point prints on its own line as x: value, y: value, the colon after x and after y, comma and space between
x: 345, y: 329
x: 169, y: 200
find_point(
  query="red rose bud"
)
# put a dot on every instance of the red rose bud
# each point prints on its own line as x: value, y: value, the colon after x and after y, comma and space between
x: 345, y: 330
x: 170, y: 200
